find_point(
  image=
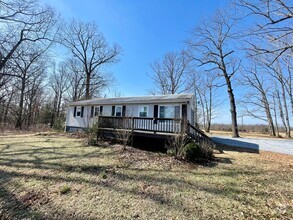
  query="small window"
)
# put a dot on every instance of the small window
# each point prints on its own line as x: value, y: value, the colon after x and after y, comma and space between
x: 78, y: 111
x: 143, y: 111
x: 118, y: 111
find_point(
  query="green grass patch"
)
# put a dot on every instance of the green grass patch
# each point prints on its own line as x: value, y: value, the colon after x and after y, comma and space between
x: 65, y: 189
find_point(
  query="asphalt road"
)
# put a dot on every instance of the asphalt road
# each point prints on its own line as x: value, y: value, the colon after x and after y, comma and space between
x: 284, y: 146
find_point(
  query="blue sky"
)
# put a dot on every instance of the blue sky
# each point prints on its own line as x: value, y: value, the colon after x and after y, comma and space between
x: 145, y: 30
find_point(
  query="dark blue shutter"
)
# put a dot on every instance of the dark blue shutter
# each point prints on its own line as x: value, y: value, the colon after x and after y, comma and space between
x: 156, y: 107
x: 81, y: 114
x: 101, y: 110
x: 113, y: 110
x: 74, y: 112
x: 123, y: 110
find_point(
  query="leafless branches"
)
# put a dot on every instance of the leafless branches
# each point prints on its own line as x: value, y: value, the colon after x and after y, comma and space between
x: 23, y: 21
x: 211, y: 46
x: 274, y: 28
x: 170, y: 74
x: 89, y: 47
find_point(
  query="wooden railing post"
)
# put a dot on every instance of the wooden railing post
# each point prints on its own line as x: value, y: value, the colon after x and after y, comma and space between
x: 132, y: 124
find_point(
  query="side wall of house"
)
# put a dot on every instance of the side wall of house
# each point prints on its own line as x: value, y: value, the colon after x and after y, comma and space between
x: 77, y: 122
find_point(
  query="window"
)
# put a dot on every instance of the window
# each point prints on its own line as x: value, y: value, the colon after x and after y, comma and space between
x: 118, y: 111
x: 143, y: 111
x: 78, y: 111
x: 169, y: 111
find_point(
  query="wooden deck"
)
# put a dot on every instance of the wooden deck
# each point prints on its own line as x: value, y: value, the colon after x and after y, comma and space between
x: 163, y: 128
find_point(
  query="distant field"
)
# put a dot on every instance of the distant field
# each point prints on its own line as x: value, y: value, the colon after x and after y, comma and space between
x: 57, y: 177
x: 246, y: 134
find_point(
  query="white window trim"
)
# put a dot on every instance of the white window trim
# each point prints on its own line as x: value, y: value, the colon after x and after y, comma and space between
x: 116, y: 106
x: 174, y: 109
x: 146, y: 111
x: 78, y: 107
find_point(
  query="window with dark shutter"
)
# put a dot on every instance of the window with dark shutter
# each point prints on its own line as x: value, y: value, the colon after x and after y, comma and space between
x: 101, y: 110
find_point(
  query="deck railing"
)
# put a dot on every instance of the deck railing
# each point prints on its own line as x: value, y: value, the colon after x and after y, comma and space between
x: 166, y: 125
x: 198, y: 135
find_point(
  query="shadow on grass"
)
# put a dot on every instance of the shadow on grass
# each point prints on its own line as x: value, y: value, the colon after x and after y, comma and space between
x: 117, y: 178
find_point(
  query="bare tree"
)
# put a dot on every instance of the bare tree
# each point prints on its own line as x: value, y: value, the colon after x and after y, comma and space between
x: 28, y: 67
x: 256, y: 101
x: 170, y: 74
x: 23, y: 21
x: 204, y: 86
x: 76, y: 78
x: 89, y: 46
x: 273, y: 31
x: 59, y: 84
x: 211, y: 45
x: 277, y: 72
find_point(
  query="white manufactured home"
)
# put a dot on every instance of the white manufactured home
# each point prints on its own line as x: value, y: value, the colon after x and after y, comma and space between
x: 162, y: 113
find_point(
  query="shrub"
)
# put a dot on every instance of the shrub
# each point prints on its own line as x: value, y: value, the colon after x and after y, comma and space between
x: 59, y: 124
x: 92, y: 134
x: 125, y: 137
x: 194, y: 152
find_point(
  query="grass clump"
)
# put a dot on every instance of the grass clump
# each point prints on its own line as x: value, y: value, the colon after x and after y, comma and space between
x: 65, y: 189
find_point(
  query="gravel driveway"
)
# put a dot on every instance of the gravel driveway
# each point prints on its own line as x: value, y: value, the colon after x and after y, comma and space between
x: 284, y: 146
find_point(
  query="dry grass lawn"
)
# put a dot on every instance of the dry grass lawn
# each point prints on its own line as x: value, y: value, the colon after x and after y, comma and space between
x: 57, y: 177
x: 246, y: 134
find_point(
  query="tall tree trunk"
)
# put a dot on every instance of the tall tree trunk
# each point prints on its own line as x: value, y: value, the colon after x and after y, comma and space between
x: 59, y: 104
x: 19, y: 119
x: 87, y: 86
x: 276, y: 118
x: 233, y: 110
x: 281, y: 110
x: 7, y: 107
x: 288, y: 133
x: 269, y: 115
x: 232, y: 107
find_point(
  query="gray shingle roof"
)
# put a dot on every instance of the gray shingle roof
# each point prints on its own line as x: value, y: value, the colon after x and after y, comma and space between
x: 136, y: 100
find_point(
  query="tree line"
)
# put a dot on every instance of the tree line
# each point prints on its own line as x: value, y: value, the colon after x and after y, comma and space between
x: 33, y: 85
x: 249, y: 44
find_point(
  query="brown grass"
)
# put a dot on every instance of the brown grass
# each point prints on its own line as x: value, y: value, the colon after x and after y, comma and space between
x: 58, y: 177
x: 246, y: 134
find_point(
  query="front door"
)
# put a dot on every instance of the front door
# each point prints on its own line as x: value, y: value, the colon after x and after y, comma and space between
x: 184, y: 111
x: 96, y: 114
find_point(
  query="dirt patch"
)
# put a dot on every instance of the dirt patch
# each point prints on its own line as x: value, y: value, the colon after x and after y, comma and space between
x: 32, y: 198
x: 140, y: 158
